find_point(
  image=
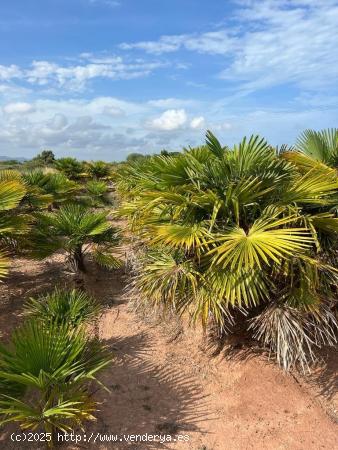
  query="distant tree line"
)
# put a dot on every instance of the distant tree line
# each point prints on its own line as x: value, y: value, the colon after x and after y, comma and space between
x: 69, y: 165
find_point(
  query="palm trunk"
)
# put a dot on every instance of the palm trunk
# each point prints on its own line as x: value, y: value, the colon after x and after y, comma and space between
x: 76, y: 260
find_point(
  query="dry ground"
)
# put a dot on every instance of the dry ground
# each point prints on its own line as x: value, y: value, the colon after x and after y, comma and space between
x: 175, y: 386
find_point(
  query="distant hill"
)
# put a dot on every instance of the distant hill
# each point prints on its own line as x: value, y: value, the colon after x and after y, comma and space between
x: 13, y: 158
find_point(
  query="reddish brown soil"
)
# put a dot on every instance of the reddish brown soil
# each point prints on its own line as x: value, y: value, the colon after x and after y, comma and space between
x: 169, y: 383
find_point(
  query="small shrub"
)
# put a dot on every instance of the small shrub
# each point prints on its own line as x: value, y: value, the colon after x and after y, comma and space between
x: 63, y: 306
x: 44, y: 376
x: 78, y: 230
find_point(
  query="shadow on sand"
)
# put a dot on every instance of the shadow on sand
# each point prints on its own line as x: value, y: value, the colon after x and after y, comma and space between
x: 241, y: 348
x: 147, y: 398
x: 325, y: 379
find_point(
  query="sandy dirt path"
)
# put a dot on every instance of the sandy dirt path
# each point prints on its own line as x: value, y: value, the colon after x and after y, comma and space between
x: 174, y: 387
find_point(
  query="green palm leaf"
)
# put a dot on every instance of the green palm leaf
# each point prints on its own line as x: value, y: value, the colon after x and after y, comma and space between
x: 214, y: 145
x: 43, y: 375
x: 4, y: 263
x: 181, y: 236
x: 10, y: 175
x: 265, y: 242
x: 237, y: 287
x: 61, y: 306
x: 76, y: 229
x: 306, y: 163
x: 314, y: 187
x: 64, y: 416
x: 320, y: 145
x: 11, y: 193
x: 166, y: 277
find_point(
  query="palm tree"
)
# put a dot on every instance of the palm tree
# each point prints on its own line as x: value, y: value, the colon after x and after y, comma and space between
x: 98, y: 169
x: 230, y: 235
x: 62, y: 306
x: 317, y: 150
x: 71, y: 167
x: 12, y: 225
x: 45, y: 373
x: 78, y: 230
x: 53, y: 188
x: 44, y: 189
x: 97, y: 193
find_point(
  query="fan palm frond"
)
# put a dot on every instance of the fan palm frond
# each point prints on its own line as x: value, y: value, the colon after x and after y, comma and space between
x: 166, y: 277
x: 305, y: 163
x: 11, y: 193
x: 62, y: 306
x: 314, y: 187
x: 60, y: 411
x: 320, y: 145
x: 214, y: 145
x: 98, y: 169
x: 181, y: 236
x: 10, y: 175
x: 71, y: 167
x: 43, y: 375
x: 4, y: 263
x: 266, y: 242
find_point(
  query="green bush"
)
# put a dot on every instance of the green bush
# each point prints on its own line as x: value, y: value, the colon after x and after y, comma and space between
x: 45, y: 374
x: 243, y: 237
x: 61, y: 306
x: 78, y: 230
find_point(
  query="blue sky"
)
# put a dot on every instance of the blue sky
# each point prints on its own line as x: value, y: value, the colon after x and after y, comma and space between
x: 98, y: 79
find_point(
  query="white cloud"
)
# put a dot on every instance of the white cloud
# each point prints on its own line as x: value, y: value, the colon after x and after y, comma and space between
x: 165, y: 44
x: 223, y: 126
x: 197, y: 122
x: 266, y: 43
x: 285, y: 48
x: 9, y: 72
x: 113, y: 111
x: 58, y: 122
x: 269, y: 43
x: 12, y: 91
x: 170, y: 120
x: 104, y: 127
x: 87, y: 129
x: 18, y: 108
x: 74, y: 77
x: 105, y: 107
x: 171, y: 103
x: 111, y: 3
x: 216, y: 42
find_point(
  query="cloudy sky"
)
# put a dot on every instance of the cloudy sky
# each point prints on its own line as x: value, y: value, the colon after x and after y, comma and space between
x: 98, y: 79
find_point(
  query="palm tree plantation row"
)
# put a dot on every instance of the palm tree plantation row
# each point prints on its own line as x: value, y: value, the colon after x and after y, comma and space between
x: 241, y: 241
